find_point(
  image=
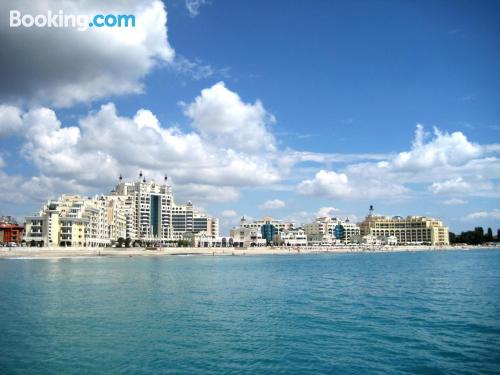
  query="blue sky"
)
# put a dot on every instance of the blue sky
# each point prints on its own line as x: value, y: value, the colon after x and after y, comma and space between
x: 341, y: 87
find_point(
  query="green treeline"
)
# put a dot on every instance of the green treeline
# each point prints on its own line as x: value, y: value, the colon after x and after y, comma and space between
x: 475, y: 237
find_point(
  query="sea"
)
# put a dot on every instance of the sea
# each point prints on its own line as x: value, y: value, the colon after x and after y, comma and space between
x: 435, y: 312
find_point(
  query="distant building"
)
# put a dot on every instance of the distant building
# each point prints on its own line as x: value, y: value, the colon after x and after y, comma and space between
x: 279, y: 225
x: 201, y: 239
x: 247, y: 237
x: 293, y: 237
x: 370, y: 239
x: 268, y: 231
x: 331, y: 230
x: 140, y: 211
x: 412, y: 230
x: 262, y: 232
x: 70, y: 221
x: 10, y: 232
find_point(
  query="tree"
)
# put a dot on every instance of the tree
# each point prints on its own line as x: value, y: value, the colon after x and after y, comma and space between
x: 120, y: 241
x: 127, y: 242
x: 453, y: 237
x: 498, y: 234
x: 479, y: 231
x: 183, y: 243
x: 489, y: 235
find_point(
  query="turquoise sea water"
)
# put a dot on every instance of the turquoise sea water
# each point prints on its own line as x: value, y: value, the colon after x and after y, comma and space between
x: 427, y: 313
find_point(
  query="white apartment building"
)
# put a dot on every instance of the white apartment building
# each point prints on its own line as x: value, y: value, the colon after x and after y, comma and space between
x: 70, y: 221
x: 247, y: 237
x: 331, y: 230
x: 187, y: 219
x: 148, y: 210
x: 293, y: 237
x: 141, y: 210
x: 280, y: 225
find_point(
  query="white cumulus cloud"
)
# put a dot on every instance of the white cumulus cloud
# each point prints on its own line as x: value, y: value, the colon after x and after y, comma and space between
x: 272, y: 204
x: 452, y: 186
x: 64, y: 66
x: 493, y: 214
x: 221, y: 115
x: 103, y: 144
x: 450, y: 163
x: 327, y: 211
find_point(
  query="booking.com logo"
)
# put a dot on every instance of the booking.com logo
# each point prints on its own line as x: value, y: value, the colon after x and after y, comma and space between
x: 80, y: 21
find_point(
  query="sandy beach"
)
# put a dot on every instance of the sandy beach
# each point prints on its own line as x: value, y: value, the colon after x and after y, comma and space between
x: 41, y: 253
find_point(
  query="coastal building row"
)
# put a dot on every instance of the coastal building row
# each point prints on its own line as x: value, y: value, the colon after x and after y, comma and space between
x: 374, y: 230
x: 143, y: 212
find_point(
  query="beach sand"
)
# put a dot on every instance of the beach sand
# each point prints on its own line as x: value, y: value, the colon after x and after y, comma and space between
x: 41, y: 253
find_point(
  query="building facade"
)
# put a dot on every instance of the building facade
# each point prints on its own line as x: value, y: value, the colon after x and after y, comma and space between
x: 331, y: 230
x: 412, y: 230
x: 279, y: 225
x: 10, y: 232
x: 142, y: 211
x: 70, y: 221
x: 247, y: 237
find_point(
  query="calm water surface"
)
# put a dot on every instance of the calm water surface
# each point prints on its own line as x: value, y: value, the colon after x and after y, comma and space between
x: 427, y: 313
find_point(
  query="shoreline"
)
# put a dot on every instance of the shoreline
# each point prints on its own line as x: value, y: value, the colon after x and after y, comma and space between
x: 63, y: 253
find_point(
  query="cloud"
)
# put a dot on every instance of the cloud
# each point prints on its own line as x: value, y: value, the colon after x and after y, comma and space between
x: 220, y: 115
x: 193, y: 6
x: 327, y: 211
x: 450, y: 163
x: 10, y: 121
x: 64, y: 66
x: 229, y: 213
x: 443, y: 150
x: 453, y: 186
x: 454, y: 202
x: 103, y: 144
x: 494, y: 214
x: 272, y: 204
x: 197, y: 69
x: 326, y: 183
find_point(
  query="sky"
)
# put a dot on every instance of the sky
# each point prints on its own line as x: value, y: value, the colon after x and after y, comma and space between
x: 293, y: 109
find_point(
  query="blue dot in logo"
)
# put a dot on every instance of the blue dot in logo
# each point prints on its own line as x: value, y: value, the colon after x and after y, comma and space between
x: 91, y: 24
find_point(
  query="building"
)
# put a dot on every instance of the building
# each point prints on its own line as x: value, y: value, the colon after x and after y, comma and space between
x: 279, y: 225
x: 147, y: 209
x: 201, y: 239
x: 260, y: 232
x: 293, y: 237
x: 153, y: 217
x: 331, y: 230
x: 70, y: 221
x: 142, y: 211
x: 187, y: 219
x: 10, y: 231
x: 372, y: 240
x: 412, y: 230
x: 247, y: 237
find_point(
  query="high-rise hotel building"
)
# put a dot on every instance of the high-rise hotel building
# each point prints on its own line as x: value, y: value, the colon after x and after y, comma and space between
x: 141, y: 210
x: 412, y: 230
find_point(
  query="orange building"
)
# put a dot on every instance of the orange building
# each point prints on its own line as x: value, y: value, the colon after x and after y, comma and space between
x: 11, y: 233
